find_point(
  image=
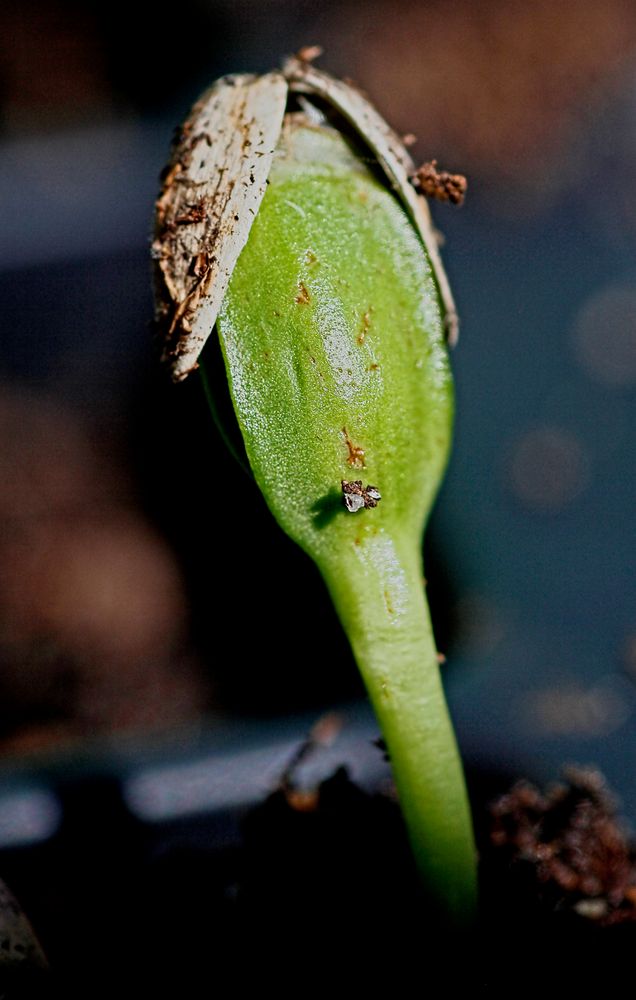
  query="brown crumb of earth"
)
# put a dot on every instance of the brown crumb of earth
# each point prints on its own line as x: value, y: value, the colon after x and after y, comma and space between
x: 439, y: 184
x: 302, y: 800
x: 570, y: 846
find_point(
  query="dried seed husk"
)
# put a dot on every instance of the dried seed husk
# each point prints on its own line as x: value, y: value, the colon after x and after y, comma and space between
x: 211, y: 194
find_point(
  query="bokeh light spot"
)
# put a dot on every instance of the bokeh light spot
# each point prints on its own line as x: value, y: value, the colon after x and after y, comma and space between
x: 573, y: 709
x: 548, y: 468
x: 605, y: 336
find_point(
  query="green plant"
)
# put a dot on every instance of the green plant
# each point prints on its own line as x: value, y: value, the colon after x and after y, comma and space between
x: 277, y: 224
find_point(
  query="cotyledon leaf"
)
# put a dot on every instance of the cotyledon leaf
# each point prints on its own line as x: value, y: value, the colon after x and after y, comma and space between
x: 333, y: 343
x: 393, y: 157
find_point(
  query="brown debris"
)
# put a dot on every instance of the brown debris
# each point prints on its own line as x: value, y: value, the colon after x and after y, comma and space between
x: 356, y: 496
x: 439, y: 184
x: 308, y: 53
x: 303, y: 298
x: 570, y: 842
x: 356, y: 454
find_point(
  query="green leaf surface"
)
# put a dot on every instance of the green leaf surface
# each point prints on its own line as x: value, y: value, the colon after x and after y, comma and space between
x: 332, y: 336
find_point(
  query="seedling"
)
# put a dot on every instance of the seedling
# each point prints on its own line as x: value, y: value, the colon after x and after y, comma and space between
x: 290, y: 224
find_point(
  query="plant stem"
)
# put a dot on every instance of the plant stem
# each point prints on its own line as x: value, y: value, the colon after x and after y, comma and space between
x: 379, y: 596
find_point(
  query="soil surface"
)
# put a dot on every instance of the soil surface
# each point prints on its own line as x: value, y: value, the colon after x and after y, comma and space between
x: 322, y: 894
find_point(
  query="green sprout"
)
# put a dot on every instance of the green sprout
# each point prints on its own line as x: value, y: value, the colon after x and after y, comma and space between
x: 315, y: 263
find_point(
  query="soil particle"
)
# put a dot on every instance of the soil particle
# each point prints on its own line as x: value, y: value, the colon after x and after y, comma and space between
x: 568, y: 848
x: 439, y: 184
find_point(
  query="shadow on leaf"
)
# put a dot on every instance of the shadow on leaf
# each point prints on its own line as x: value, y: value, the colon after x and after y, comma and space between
x: 327, y: 507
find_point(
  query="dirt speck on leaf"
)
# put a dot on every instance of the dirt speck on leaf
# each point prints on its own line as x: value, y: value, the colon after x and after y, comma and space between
x: 365, y: 324
x: 355, y: 457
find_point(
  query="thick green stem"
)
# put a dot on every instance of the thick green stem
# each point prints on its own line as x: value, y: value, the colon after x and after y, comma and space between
x: 379, y: 596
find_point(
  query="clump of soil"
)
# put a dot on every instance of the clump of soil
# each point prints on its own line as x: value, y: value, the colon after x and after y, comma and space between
x: 566, y: 848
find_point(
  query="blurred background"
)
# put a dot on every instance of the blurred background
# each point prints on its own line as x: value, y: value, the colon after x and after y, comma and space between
x: 143, y: 601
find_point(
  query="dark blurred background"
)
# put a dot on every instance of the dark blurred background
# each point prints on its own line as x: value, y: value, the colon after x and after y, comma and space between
x: 144, y: 591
